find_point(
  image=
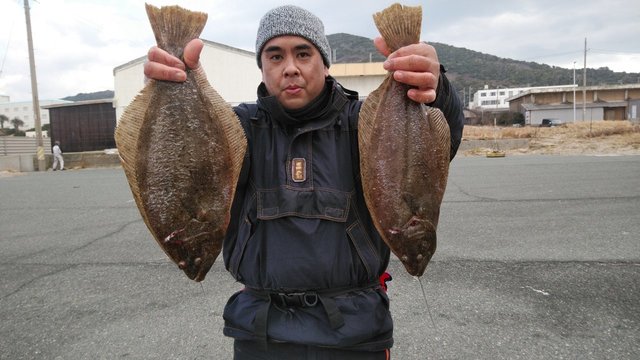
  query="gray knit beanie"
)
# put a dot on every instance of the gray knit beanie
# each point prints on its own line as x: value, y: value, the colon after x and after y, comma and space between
x: 292, y: 20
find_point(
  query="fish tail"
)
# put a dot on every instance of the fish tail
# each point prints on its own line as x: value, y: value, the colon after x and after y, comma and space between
x: 399, y: 25
x: 174, y: 27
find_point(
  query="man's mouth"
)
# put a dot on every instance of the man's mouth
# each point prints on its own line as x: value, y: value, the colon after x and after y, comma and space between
x: 293, y: 89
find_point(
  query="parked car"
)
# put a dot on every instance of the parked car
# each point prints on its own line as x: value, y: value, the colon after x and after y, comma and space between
x: 551, y: 123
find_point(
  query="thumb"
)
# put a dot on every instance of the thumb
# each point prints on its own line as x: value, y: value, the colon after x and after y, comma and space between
x: 381, y: 45
x: 192, y: 53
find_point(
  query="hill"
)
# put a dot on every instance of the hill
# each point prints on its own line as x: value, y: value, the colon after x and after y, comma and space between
x: 467, y: 68
x: 105, y: 94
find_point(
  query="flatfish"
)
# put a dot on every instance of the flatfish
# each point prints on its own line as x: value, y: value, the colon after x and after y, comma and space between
x: 182, y: 146
x: 404, y: 154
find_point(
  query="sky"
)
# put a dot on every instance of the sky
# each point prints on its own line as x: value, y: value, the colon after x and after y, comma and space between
x: 78, y: 43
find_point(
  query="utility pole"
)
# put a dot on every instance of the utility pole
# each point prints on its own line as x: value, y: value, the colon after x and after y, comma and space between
x: 34, y: 92
x: 574, y: 92
x: 584, y: 83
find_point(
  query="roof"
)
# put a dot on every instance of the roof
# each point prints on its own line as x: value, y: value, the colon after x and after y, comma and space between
x: 206, y: 43
x: 79, y: 103
x: 564, y: 88
x: 598, y: 104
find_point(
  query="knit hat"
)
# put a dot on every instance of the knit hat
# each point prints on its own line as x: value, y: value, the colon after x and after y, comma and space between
x: 292, y: 20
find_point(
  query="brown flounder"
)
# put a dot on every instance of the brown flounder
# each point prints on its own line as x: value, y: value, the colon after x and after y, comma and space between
x: 404, y: 154
x: 182, y: 146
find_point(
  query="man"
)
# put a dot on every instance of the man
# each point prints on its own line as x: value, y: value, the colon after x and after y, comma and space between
x: 57, y: 156
x: 301, y: 238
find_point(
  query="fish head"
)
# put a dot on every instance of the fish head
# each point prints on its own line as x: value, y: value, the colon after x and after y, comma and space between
x: 194, y: 248
x: 414, y: 244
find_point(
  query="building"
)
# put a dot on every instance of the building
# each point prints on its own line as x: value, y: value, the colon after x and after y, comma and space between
x: 497, y: 99
x: 606, y: 102
x: 234, y: 74
x: 23, y: 110
x: 83, y: 125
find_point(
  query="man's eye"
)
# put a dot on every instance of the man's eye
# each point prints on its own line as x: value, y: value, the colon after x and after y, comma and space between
x: 304, y: 54
x: 276, y: 57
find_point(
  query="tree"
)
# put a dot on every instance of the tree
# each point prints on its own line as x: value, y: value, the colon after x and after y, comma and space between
x: 3, y: 118
x: 16, y: 122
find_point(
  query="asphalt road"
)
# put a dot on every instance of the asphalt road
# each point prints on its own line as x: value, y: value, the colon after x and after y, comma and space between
x: 538, y: 258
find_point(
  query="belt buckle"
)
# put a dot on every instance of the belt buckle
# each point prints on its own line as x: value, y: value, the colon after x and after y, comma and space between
x: 310, y: 299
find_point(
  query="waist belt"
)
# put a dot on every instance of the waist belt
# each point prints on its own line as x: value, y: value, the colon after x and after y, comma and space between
x: 303, y: 299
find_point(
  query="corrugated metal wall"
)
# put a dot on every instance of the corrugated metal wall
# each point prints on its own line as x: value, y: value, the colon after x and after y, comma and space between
x: 87, y: 127
x: 15, y: 145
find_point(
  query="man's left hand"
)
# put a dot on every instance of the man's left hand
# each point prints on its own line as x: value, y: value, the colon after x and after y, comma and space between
x: 416, y: 65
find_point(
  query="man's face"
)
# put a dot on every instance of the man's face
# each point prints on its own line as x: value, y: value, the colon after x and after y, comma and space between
x: 292, y: 70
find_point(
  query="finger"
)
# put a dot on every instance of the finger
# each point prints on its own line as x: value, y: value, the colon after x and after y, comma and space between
x: 158, y: 55
x: 420, y: 80
x: 422, y: 96
x: 192, y: 53
x: 158, y: 71
x: 381, y: 46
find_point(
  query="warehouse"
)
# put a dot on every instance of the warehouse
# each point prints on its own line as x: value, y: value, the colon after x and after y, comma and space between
x: 606, y: 102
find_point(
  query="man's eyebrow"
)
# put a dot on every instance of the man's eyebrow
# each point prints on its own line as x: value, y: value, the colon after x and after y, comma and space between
x: 273, y: 48
x: 302, y: 47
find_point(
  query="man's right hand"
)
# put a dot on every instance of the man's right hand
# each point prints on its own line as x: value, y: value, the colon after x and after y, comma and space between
x: 163, y: 66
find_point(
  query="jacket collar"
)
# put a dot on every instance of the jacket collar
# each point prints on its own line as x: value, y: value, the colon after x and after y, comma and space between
x: 319, y: 113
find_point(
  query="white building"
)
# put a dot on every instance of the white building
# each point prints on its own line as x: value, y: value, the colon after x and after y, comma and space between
x: 234, y: 74
x: 497, y: 99
x: 23, y: 110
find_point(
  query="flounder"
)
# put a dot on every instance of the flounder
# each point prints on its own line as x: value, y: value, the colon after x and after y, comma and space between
x: 404, y: 154
x: 182, y: 146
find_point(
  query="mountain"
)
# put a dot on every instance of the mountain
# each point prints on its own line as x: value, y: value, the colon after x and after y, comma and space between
x: 105, y: 94
x: 467, y: 68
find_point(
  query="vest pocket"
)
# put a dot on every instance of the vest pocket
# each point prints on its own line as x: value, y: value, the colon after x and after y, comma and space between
x: 324, y: 204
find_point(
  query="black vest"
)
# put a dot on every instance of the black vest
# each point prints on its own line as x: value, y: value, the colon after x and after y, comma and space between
x: 299, y: 223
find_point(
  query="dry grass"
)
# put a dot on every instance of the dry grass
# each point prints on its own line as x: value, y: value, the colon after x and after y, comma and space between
x: 597, y: 137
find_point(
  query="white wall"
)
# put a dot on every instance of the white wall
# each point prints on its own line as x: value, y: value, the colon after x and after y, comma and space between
x: 232, y: 72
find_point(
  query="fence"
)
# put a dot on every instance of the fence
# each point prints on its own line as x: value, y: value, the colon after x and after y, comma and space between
x: 17, y: 145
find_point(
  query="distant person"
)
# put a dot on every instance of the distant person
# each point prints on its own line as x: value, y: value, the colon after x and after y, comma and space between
x: 57, y: 156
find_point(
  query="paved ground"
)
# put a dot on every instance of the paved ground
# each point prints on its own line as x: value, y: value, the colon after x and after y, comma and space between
x: 539, y: 258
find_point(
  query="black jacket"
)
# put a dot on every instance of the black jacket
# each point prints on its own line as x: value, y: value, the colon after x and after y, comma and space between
x: 300, y: 225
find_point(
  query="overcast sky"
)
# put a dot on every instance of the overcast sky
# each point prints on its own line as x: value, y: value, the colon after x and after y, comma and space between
x: 78, y: 43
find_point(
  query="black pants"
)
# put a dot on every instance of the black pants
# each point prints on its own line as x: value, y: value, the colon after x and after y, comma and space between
x: 250, y: 350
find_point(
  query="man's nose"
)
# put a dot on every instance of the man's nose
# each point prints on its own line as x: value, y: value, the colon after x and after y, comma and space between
x: 291, y: 68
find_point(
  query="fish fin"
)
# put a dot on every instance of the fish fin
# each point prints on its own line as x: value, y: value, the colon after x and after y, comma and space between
x: 367, y: 115
x: 127, y: 135
x: 173, y: 26
x: 399, y: 25
x: 441, y: 127
x: 234, y: 133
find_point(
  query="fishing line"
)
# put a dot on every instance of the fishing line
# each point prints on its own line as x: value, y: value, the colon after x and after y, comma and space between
x: 426, y: 303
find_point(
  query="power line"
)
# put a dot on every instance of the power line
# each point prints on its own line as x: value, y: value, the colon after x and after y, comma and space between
x: 6, y: 51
